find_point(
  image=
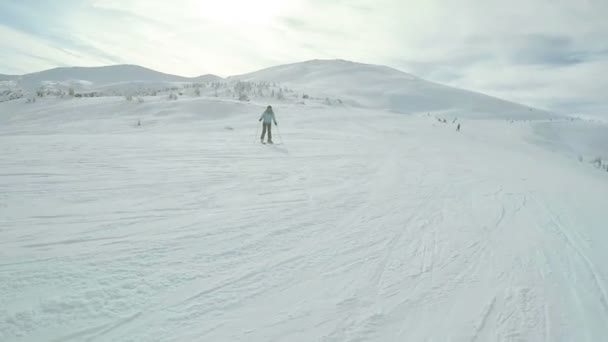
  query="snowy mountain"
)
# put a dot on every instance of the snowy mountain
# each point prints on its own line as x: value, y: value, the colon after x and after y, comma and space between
x: 357, y: 84
x: 381, y: 87
x: 93, y: 77
x: 204, y: 79
x: 7, y: 77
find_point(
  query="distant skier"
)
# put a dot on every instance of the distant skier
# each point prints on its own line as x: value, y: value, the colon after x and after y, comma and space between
x: 458, y: 128
x: 267, y: 118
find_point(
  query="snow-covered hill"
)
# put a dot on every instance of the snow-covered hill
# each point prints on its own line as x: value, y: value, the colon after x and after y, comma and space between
x: 381, y: 87
x: 167, y: 220
x: 94, y: 78
x: 357, y: 84
x: 7, y: 77
x: 106, y: 75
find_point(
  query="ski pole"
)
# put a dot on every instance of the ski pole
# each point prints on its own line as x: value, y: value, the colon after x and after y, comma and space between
x: 280, y: 137
x: 257, y: 129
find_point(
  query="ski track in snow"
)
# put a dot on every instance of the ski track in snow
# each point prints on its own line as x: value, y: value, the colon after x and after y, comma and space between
x: 386, y: 228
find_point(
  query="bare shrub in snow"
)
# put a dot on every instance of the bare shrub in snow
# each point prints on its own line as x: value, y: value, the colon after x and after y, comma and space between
x: 243, y: 97
x: 597, y: 162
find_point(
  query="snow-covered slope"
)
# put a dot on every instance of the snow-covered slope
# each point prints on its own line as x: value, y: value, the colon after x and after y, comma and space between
x: 381, y: 87
x: 362, y: 225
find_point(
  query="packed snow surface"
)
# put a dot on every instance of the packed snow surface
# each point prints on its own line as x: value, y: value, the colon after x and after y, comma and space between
x: 358, y: 225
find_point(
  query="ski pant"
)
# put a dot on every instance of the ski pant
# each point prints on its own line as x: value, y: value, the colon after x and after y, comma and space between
x: 268, y: 127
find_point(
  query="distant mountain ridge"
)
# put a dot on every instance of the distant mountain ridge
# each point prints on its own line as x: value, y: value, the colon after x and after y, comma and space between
x: 358, y: 84
x: 7, y: 77
x: 103, y: 75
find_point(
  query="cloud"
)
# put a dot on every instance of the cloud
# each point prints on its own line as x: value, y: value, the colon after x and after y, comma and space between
x: 23, y: 53
x: 541, y: 52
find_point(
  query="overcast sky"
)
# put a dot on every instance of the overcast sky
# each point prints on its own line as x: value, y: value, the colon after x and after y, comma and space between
x: 547, y: 53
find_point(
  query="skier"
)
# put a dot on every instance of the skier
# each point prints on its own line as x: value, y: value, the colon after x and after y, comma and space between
x: 268, y: 118
x: 458, y: 128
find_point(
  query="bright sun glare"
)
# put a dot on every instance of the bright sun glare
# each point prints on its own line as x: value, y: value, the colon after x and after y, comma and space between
x: 242, y: 11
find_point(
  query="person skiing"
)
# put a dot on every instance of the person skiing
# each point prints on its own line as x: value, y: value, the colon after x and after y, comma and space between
x: 267, y: 118
x: 458, y: 128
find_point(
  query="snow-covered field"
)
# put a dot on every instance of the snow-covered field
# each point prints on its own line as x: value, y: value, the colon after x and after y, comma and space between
x: 360, y: 225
